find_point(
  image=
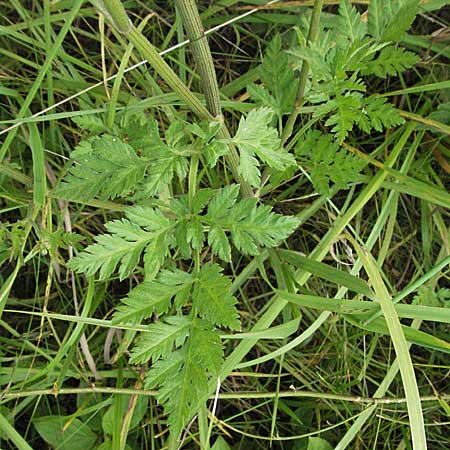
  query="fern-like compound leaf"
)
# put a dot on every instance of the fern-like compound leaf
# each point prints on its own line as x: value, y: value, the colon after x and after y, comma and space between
x: 350, y: 23
x: 122, y: 248
x: 104, y: 167
x: 378, y: 114
x: 161, y: 339
x: 391, y: 61
x: 154, y: 297
x: 143, y: 229
x: 255, y: 137
x: 278, y: 83
x: 183, y: 377
x: 328, y: 162
x: 343, y: 112
x: 390, y: 19
x: 212, y: 299
x: 249, y: 225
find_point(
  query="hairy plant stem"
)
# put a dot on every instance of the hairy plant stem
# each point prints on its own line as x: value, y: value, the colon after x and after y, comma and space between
x: 202, y: 54
x: 312, y: 35
x: 115, y: 11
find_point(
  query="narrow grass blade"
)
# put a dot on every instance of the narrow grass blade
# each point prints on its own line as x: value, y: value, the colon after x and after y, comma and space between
x: 401, y: 349
x: 413, y: 336
x: 326, y: 272
x: 431, y: 313
x: 39, y: 176
x: 9, y: 431
x: 278, y: 332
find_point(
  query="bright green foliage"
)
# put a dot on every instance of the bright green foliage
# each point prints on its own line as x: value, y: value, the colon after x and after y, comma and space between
x: 184, y: 311
x: 278, y: 87
x: 183, y: 377
x: 377, y: 114
x: 247, y: 224
x: 390, y: 61
x: 142, y: 134
x: 51, y: 242
x: 167, y: 159
x: 148, y: 230
x: 343, y: 111
x: 255, y: 137
x: 212, y: 299
x: 90, y: 122
x: 135, y: 161
x: 390, y: 19
x: 159, y: 340
x: 154, y: 297
x: 350, y: 24
x: 344, y: 54
x: 143, y: 229
x: 353, y: 109
x: 105, y: 167
x: 185, y: 350
x: 161, y: 228
x: 250, y: 225
x: 212, y: 149
x: 328, y: 162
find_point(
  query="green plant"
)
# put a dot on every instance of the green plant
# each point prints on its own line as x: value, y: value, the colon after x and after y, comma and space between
x: 201, y: 198
x: 182, y: 222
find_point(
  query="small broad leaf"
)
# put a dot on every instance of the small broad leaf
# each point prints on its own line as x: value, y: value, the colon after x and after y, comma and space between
x: 220, y: 444
x: 65, y: 433
x: 255, y: 137
x: 316, y: 443
x: 139, y: 412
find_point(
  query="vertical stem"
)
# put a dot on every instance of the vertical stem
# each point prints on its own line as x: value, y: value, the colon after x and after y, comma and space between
x: 119, y: 18
x: 192, y: 180
x: 312, y: 34
x: 202, y: 54
x: 166, y: 72
x: 203, y: 427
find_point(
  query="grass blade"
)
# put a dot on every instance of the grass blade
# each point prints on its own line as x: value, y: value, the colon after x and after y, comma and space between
x: 401, y: 349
